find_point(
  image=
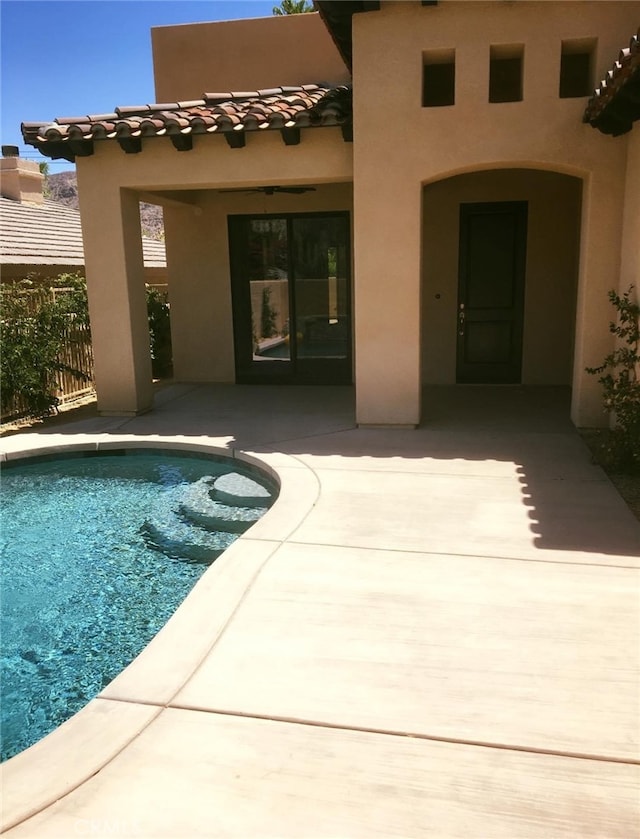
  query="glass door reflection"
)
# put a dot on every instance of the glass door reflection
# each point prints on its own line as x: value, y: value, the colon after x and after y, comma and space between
x: 291, y: 298
x: 269, y: 289
x: 319, y: 266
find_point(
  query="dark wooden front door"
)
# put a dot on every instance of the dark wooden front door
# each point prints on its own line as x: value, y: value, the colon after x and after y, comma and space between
x: 491, y: 278
x: 290, y: 284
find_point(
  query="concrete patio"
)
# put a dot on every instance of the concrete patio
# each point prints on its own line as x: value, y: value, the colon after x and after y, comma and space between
x: 433, y: 633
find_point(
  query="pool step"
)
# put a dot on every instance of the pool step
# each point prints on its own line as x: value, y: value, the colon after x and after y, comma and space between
x: 237, y: 490
x: 174, y: 548
x: 207, y: 503
x: 212, y: 512
x: 217, y: 523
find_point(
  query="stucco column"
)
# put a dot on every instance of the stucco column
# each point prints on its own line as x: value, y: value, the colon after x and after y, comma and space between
x: 600, y: 255
x: 117, y: 299
x: 630, y: 259
x: 387, y: 248
x: 630, y: 262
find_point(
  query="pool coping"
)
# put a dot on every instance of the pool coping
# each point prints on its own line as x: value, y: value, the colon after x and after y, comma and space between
x: 79, y: 748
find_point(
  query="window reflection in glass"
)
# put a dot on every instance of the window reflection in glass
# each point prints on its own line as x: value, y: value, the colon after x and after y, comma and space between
x: 319, y: 260
x: 269, y: 288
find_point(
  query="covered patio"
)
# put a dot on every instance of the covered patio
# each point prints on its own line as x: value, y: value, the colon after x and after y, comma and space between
x: 555, y: 209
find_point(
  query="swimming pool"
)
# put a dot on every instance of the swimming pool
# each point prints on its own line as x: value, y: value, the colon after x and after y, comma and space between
x: 98, y: 550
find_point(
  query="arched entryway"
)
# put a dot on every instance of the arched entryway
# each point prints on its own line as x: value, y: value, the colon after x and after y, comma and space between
x: 500, y: 256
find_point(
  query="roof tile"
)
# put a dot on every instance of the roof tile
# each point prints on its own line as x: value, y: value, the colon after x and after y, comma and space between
x: 215, y: 97
x: 167, y: 106
x: 303, y: 106
x: 129, y: 110
x: 190, y: 103
x: 72, y: 120
x: 615, y: 104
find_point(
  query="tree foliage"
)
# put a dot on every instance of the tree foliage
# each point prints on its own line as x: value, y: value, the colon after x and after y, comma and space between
x: 39, y: 324
x: 34, y: 327
x: 292, y: 7
x: 267, y: 314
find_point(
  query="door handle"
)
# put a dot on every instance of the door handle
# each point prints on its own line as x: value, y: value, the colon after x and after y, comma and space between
x: 461, y: 320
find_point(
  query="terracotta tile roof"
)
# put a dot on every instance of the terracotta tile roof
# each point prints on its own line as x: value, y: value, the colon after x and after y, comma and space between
x: 337, y: 17
x: 312, y: 105
x: 50, y: 234
x: 615, y: 104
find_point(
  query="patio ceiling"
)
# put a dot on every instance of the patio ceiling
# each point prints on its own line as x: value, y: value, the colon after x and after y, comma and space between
x: 232, y: 114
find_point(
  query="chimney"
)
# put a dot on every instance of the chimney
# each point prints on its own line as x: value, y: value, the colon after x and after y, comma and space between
x: 20, y: 180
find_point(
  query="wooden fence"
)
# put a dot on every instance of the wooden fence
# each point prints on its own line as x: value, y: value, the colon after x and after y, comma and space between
x: 76, y: 353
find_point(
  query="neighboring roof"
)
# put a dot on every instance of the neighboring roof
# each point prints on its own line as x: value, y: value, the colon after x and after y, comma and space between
x: 615, y: 105
x: 50, y: 234
x: 285, y: 108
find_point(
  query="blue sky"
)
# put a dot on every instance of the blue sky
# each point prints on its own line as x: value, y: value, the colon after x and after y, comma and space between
x: 74, y: 57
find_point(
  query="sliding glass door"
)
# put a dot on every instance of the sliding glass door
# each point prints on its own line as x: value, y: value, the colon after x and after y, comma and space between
x: 291, y: 293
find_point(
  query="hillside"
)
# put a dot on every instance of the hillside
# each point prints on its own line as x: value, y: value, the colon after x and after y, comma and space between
x: 63, y: 188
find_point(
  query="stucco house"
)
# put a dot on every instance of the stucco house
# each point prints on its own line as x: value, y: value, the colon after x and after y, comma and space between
x: 41, y: 238
x: 393, y: 194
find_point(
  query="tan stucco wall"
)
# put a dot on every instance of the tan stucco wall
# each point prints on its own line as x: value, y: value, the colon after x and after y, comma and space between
x: 321, y: 157
x: 630, y: 258
x: 423, y: 145
x: 551, y: 269
x: 237, y: 55
x: 196, y: 243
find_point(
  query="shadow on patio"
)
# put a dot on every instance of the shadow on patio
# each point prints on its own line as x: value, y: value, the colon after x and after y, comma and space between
x: 460, y: 468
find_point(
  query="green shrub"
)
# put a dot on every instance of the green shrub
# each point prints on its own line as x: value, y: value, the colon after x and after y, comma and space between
x: 35, y: 324
x: 267, y: 314
x: 621, y: 389
x: 39, y: 327
x: 159, y: 333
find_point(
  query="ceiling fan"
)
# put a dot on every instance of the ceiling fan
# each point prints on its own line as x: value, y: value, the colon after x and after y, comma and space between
x: 271, y: 190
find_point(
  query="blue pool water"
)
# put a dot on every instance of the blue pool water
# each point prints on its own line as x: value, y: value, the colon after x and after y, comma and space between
x: 97, y: 553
